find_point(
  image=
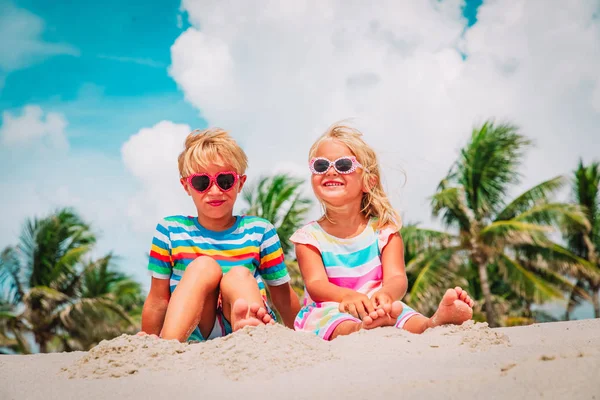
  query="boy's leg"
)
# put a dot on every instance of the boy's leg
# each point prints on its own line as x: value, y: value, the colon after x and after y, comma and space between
x: 242, y: 302
x: 194, y: 301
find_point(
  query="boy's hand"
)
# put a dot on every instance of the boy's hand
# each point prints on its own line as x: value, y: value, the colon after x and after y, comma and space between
x: 356, y: 304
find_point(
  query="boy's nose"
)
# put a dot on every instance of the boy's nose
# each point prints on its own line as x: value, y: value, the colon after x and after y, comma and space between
x: 214, y: 189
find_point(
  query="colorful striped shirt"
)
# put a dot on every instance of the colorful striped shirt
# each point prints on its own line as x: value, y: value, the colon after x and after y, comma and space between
x: 353, y: 263
x: 251, y: 242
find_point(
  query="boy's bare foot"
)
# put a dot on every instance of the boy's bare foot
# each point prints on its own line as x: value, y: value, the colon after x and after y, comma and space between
x: 243, y: 315
x: 455, y: 308
x: 386, y: 316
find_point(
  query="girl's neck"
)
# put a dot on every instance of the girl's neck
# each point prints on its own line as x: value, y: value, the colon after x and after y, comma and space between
x: 344, y: 222
x: 216, y: 224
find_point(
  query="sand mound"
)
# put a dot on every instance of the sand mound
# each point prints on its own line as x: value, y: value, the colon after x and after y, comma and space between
x: 126, y: 355
x: 246, y: 353
x: 477, y: 336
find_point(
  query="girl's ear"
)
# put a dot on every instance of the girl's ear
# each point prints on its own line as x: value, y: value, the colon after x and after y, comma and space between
x: 242, y: 182
x: 185, y: 186
x: 371, y: 182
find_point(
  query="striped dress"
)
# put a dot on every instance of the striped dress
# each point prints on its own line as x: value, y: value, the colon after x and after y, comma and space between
x: 251, y: 242
x: 353, y: 263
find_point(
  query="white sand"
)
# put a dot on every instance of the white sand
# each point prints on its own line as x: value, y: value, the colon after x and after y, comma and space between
x: 556, y: 361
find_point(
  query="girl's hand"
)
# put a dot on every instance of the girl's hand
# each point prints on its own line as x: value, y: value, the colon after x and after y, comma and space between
x: 356, y: 304
x: 382, y: 300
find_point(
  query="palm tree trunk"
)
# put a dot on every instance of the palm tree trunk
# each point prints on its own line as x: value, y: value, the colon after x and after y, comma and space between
x: 487, y: 295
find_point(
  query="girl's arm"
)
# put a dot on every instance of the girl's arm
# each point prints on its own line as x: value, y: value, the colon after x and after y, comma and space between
x: 320, y: 289
x: 395, y: 281
x: 155, y: 306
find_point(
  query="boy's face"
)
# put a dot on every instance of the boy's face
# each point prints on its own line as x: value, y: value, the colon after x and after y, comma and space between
x: 215, y: 203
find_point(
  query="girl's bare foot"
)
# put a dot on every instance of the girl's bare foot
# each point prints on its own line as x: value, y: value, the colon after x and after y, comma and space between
x: 455, y: 308
x: 243, y: 315
x: 386, y: 316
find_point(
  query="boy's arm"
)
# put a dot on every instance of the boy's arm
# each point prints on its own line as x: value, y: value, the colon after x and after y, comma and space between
x: 155, y: 306
x: 286, y: 302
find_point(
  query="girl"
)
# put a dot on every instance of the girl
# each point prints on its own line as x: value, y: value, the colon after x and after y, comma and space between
x: 352, y: 259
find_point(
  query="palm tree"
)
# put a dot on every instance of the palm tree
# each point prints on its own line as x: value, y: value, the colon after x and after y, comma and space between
x: 586, y: 243
x: 46, y: 284
x: 279, y: 199
x: 501, y: 248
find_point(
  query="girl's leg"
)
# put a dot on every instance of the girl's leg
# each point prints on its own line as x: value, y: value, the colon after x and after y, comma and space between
x: 455, y: 308
x: 194, y: 301
x: 346, y: 328
x: 242, y: 302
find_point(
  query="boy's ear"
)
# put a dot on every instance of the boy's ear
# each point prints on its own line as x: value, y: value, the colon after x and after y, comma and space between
x: 242, y: 181
x: 185, y: 186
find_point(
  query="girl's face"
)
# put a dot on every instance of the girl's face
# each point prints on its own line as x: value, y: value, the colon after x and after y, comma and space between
x: 214, y: 202
x: 332, y: 187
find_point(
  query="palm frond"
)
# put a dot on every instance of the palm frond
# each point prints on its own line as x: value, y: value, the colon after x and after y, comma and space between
x: 538, y: 194
x: 435, y: 272
x: 526, y: 283
x: 513, y: 232
x: 488, y: 166
x: 450, y: 202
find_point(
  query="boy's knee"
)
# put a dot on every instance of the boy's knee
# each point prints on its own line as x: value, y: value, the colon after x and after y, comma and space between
x: 206, y: 266
x: 238, y: 273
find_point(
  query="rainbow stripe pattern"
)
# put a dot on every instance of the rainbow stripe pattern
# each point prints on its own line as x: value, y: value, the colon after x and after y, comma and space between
x: 251, y: 242
x: 353, y: 263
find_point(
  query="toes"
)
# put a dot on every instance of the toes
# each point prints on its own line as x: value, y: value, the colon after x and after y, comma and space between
x: 261, y: 313
x: 449, y: 297
x: 374, y: 315
x: 386, y: 308
x: 367, y: 320
x: 266, y: 318
x: 381, y: 312
x: 396, y: 309
x: 254, y: 308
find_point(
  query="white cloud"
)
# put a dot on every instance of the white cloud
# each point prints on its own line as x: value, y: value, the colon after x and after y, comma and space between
x: 34, y: 127
x: 279, y: 74
x: 21, y: 44
x: 151, y: 156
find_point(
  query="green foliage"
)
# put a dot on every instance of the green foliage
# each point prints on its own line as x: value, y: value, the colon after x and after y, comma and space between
x: 501, y: 248
x: 279, y: 199
x: 52, y: 290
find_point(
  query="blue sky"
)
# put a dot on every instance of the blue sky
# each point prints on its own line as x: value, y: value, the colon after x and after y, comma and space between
x: 118, y: 75
x: 97, y: 78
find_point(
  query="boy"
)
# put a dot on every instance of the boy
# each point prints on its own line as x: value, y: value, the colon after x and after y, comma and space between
x: 218, y: 262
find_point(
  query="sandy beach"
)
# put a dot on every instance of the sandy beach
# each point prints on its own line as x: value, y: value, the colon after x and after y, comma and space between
x: 555, y: 360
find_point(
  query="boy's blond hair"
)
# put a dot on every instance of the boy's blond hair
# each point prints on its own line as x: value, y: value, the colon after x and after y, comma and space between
x: 375, y: 203
x: 205, y: 147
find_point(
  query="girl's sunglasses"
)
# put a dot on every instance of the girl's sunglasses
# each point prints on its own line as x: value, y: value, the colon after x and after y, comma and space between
x: 343, y: 165
x: 202, y: 182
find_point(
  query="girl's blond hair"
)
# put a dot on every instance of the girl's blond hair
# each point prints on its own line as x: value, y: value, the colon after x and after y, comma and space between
x: 205, y: 147
x: 374, y: 203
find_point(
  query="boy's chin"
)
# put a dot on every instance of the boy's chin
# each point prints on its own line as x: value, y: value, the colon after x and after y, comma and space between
x: 218, y: 214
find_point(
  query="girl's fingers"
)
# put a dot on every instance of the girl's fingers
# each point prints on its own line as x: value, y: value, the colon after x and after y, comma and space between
x: 360, y: 309
x: 352, y: 310
x: 368, y: 305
